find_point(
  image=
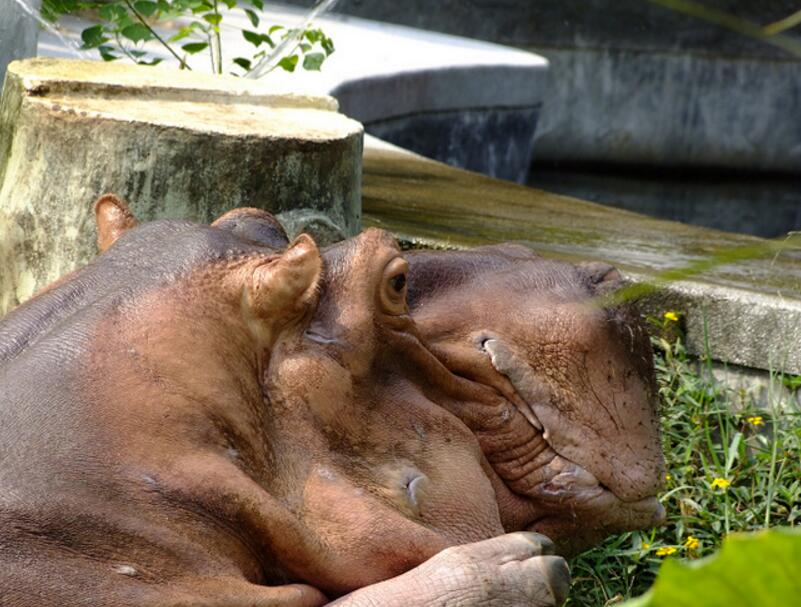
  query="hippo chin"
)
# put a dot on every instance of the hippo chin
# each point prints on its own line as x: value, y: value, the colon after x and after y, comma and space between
x: 213, y: 416
x: 571, y: 424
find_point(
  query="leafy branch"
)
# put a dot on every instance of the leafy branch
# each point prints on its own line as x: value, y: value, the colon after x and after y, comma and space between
x: 125, y: 26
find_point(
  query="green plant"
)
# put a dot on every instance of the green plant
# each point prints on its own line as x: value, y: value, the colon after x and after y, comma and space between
x: 731, y: 466
x: 125, y: 26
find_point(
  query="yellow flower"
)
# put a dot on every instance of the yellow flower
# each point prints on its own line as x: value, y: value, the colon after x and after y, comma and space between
x: 692, y: 543
x: 665, y: 551
x: 668, y: 477
x: 646, y: 545
x: 671, y: 316
x: 755, y: 420
x: 720, y: 483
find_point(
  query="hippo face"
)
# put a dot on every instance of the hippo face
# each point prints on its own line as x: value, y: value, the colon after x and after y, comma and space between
x: 579, y: 450
x: 202, y: 409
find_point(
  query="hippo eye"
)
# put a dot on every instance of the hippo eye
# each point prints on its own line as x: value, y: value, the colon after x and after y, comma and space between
x: 398, y: 282
x: 393, y: 287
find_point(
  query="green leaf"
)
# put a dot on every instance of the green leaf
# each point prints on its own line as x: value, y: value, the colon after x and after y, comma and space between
x: 93, y: 36
x: 289, y: 63
x: 304, y: 47
x: 328, y: 45
x: 254, y: 18
x: 313, y: 61
x: 275, y: 28
x: 113, y: 12
x: 213, y: 18
x: 751, y: 569
x: 194, y: 47
x: 106, y: 54
x: 243, y: 63
x: 254, y: 38
x: 136, y: 32
x: 231, y: 4
x: 258, y: 4
x: 146, y: 7
x: 184, y: 32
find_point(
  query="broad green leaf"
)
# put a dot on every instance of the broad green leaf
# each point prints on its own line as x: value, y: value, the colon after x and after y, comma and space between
x: 751, y: 570
x: 275, y: 28
x: 93, y: 36
x: 231, y: 4
x: 194, y: 47
x: 328, y: 45
x: 136, y: 32
x: 213, y: 18
x: 254, y: 38
x: 185, y: 31
x: 258, y: 4
x: 289, y: 63
x: 304, y: 47
x: 146, y: 7
x: 313, y: 61
x: 243, y: 63
x: 254, y: 18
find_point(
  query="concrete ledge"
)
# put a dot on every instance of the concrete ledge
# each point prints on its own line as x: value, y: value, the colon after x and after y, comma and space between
x: 748, y: 312
x: 70, y: 131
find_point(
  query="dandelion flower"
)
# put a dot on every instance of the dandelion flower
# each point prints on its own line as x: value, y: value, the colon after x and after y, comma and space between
x: 646, y: 545
x: 692, y: 543
x: 668, y: 477
x: 671, y: 316
x: 755, y: 420
x: 665, y: 551
x: 720, y: 483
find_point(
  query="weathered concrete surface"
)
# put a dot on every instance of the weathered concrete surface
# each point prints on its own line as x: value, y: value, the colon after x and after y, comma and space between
x: 173, y: 144
x: 634, y: 82
x: 749, y: 312
x: 18, y: 32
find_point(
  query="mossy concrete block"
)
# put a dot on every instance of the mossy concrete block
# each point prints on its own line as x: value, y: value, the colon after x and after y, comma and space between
x: 175, y: 144
x: 744, y: 308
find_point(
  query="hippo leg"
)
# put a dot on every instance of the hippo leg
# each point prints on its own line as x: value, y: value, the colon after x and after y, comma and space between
x: 512, y: 569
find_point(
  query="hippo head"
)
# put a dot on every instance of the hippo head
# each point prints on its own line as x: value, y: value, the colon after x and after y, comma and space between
x: 571, y: 426
x: 236, y: 405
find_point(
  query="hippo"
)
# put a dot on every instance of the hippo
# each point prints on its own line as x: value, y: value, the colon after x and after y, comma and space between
x: 572, y: 425
x: 214, y: 416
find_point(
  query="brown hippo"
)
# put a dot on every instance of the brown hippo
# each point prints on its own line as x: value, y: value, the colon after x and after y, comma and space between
x: 210, y: 416
x: 571, y: 426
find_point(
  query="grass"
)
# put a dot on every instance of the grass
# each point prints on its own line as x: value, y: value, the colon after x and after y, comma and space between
x: 732, y: 466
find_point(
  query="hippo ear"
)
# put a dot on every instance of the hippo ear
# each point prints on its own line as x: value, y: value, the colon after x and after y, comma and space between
x: 601, y: 276
x: 254, y: 225
x: 113, y: 218
x: 283, y: 289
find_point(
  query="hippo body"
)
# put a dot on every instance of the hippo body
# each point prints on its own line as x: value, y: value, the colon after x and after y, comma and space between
x: 212, y: 416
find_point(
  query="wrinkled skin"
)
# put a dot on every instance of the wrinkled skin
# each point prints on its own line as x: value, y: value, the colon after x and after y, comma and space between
x: 571, y: 426
x: 210, y: 416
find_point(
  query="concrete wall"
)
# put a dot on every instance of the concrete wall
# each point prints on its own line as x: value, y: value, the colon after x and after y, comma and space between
x: 18, y: 33
x: 634, y: 82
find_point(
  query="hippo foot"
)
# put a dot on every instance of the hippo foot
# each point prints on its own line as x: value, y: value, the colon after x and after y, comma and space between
x: 513, y: 569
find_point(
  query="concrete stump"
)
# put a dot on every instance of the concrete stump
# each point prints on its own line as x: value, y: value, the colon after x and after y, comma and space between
x: 174, y: 144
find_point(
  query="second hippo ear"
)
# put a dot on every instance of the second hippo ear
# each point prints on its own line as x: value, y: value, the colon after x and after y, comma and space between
x: 601, y: 276
x: 254, y: 225
x: 284, y: 288
x: 113, y: 218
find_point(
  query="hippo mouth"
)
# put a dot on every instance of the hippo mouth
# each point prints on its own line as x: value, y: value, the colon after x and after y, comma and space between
x: 569, y: 501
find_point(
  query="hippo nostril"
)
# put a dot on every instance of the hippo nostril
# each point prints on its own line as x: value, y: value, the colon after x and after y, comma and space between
x: 318, y: 337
